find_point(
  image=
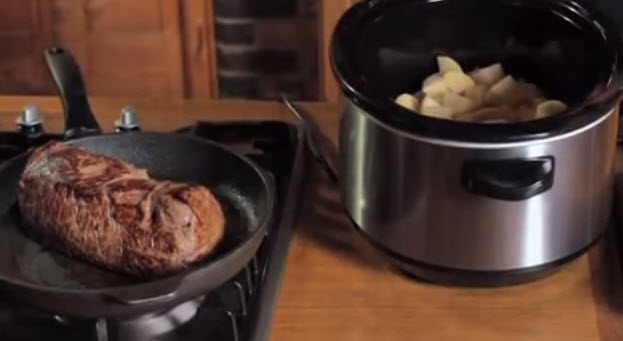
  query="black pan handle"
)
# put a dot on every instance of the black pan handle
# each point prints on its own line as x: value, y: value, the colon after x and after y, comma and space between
x: 510, y: 179
x: 79, y: 119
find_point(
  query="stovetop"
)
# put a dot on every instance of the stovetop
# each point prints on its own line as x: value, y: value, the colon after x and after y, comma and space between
x: 241, y: 309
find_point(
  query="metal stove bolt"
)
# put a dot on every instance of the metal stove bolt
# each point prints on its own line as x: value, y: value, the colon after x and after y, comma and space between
x: 30, y: 121
x: 128, y: 120
x: 30, y: 116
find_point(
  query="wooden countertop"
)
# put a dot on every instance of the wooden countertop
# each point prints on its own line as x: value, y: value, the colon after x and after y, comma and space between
x: 337, y: 287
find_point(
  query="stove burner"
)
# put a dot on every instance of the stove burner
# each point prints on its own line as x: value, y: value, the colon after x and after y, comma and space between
x: 239, y: 310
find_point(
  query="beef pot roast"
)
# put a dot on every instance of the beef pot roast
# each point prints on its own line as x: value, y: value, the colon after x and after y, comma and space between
x: 113, y: 214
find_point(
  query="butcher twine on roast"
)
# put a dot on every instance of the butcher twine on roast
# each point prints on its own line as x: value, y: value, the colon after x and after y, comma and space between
x: 113, y: 214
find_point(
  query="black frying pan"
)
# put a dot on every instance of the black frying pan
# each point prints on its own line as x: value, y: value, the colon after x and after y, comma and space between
x: 48, y: 280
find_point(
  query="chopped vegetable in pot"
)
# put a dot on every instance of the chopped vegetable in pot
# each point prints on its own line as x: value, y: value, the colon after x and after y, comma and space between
x: 486, y: 95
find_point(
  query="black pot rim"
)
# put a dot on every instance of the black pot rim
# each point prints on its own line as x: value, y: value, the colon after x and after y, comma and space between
x: 397, y: 117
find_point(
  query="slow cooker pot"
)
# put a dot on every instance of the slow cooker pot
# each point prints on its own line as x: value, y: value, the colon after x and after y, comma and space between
x: 474, y: 203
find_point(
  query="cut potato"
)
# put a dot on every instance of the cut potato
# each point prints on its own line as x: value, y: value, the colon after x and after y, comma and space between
x: 457, y: 82
x: 430, y: 107
x: 502, y: 92
x: 496, y: 121
x: 476, y: 93
x: 447, y: 64
x: 527, y: 92
x: 432, y: 78
x: 482, y: 114
x: 429, y: 102
x: 435, y: 88
x: 439, y: 112
x: 457, y: 103
x: 408, y: 101
x: 488, y: 75
x: 549, y: 108
x: 486, y: 95
x: 511, y: 92
x: 498, y: 114
x: 538, y: 100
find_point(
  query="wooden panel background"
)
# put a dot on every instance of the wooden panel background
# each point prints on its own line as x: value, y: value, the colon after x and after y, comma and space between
x: 150, y: 48
x: 20, y: 36
x: 199, y: 49
x: 125, y: 48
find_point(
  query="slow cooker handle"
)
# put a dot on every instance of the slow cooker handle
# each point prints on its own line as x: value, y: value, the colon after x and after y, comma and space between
x: 509, y: 179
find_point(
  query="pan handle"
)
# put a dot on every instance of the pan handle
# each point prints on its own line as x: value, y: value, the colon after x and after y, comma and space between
x: 79, y: 119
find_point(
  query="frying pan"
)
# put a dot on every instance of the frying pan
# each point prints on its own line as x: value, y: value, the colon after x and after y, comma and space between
x: 33, y: 274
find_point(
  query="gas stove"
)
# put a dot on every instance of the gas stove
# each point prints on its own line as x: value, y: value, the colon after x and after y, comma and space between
x: 239, y: 310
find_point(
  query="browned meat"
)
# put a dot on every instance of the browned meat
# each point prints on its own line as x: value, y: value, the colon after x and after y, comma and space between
x: 112, y: 214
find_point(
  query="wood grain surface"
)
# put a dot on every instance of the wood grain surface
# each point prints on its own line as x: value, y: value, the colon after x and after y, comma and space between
x: 337, y: 287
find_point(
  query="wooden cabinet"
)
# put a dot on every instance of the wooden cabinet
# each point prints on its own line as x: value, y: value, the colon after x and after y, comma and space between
x: 125, y: 48
x: 144, y: 48
x: 24, y: 31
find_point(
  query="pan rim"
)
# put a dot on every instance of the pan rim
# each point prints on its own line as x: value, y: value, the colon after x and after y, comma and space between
x: 177, y: 278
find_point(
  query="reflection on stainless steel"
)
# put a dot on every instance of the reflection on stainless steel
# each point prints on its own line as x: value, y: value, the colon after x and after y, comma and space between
x: 360, y: 151
x: 60, y: 319
x: 101, y: 330
x: 406, y: 194
x: 535, y: 245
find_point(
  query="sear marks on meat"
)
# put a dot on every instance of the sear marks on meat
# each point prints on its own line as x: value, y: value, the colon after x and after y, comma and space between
x: 113, y: 214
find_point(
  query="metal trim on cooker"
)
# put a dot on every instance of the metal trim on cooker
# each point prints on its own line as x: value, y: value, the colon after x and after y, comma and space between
x: 482, y: 145
x: 475, y: 278
x: 469, y: 277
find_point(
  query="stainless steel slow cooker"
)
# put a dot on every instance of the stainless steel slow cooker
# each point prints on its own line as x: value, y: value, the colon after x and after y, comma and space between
x: 474, y: 203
